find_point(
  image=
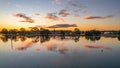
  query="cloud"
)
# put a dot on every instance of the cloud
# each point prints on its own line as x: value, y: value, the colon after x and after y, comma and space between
x: 77, y: 15
x: 109, y: 16
x: 37, y: 14
x: 57, y: 16
x: 51, y: 16
x: 63, y: 13
x: 97, y: 17
x: 57, y: 1
x: 76, y: 6
x: 62, y: 26
x: 26, y: 18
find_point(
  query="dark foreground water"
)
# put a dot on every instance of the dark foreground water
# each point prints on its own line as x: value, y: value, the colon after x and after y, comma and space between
x: 59, y: 52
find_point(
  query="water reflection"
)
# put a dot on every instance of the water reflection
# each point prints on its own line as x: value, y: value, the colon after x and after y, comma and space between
x: 24, y: 45
x: 22, y: 38
x: 96, y: 47
x: 24, y: 42
x: 58, y: 50
x: 53, y: 47
x: 45, y: 38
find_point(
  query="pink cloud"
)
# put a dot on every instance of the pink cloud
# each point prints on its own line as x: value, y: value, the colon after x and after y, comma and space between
x: 97, y: 17
x: 54, y: 47
x: 57, y: 1
x: 62, y: 26
x: 24, y: 45
x: 96, y: 47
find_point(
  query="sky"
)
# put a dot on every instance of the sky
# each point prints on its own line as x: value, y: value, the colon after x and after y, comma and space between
x: 60, y: 14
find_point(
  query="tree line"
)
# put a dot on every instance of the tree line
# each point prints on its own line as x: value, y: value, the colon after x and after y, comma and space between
x: 43, y: 31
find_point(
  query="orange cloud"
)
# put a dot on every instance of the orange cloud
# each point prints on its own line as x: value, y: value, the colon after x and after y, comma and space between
x: 37, y: 14
x: 97, y: 17
x: 30, y: 21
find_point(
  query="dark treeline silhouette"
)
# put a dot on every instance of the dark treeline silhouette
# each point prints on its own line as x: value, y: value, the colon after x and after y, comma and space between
x: 43, y: 31
x: 93, y: 33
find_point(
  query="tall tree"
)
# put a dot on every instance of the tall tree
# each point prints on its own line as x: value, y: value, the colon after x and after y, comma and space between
x: 4, y: 31
x: 76, y: 31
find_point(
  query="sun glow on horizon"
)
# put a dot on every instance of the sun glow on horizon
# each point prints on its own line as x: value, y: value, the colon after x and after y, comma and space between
x: 85, y: 14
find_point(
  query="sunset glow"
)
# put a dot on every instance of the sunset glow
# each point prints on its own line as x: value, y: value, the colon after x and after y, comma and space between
x: 86, y: 14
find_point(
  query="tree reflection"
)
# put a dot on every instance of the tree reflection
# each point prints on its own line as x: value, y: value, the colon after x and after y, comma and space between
x: 93, y: 38
x: 62, y: 37
x: 35, y: 39
x: 76, y: 39
x: 23, y: 38
x: 4, y: 38
x: 44, y: 38
x: 14, y: 37
x: 119, y: 38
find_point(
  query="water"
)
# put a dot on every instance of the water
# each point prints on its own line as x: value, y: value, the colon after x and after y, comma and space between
x: 59, y: 52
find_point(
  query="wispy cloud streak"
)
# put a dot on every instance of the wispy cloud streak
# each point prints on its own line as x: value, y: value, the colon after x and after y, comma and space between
x: 62, y: 26
x: 97, y: 17
x: 26, y: 18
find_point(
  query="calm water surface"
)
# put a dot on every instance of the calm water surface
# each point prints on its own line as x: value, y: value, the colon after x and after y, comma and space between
x: 59, y: 52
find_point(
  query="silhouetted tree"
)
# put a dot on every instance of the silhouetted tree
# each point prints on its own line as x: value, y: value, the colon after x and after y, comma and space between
x: 4, y: 31
x: 119, y: 38
x: 35, y: 30
x: 62, y: 33
x: 44, y: 31
x: 76, y: 31
x: 119, y: 33
x: 92, y: 33
x: 22, y: 31
x: 13, y: 31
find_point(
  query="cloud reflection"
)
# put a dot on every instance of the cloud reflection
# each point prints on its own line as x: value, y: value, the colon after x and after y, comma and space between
x: 24, y: 45
x: 53, y: 47
x: 96, y: 47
